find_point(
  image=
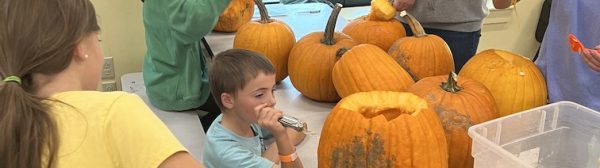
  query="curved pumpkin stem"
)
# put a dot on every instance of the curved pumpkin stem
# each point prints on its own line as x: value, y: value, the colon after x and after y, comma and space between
x: 340, y: 52
x: 452, y: 85
x: 415, y: 26
x: 330, y: 28
x: 264, y: 14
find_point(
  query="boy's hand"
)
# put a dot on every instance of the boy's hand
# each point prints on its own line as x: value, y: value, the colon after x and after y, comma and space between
x: 592, y: 57
x: 268, y: 118
x: 295, y: 136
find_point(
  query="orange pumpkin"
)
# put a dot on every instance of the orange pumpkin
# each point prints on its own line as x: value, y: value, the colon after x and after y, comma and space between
x: 378, y: 28
x: 312, y: 58
x: 238, y: 12
x: 422, y: 55
x: 382, y: 129
x: 515, y: 82
x: 459, y: 103
x: 270, y: 37
x: 366, y: 67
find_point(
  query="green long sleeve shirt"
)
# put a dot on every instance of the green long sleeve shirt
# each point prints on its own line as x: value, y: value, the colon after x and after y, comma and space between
x: 175, y: 71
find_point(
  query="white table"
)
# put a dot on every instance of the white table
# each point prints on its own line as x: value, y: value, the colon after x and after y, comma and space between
x: 184, y: 125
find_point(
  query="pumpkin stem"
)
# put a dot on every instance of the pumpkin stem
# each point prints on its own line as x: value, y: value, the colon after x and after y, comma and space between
x: 264, y: 15
x: 330, y: 28
x: 340, y: 52
x: 415, y: 26
x: 452, y: 85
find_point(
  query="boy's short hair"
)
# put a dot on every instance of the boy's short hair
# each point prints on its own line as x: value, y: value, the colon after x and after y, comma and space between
x: 232, y: 69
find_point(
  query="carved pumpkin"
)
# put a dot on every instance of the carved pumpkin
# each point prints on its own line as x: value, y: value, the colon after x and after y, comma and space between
x: 378, y: 28
x: 382, y: 129
x: 312, y: 58
x: 270, y: 37
x: 515, y: 82
x: 459, y: 103
x: 366, y: 67
x: 422, y: 55
x: 238, y: 12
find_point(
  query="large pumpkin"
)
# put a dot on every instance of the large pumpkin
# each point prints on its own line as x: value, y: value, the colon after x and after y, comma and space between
x: 515, y: 82
x: 379, y: 27
x: 270, y: 37
x: 422, y: 55
x: 312, y: 58
x: 382, y: 129
x: 459, y: 103
x: 366, y: 67
x: 238, y: 12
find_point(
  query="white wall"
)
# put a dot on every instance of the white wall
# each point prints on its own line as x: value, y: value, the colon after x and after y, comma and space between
x: 512, y: 29
x: 122, y: 34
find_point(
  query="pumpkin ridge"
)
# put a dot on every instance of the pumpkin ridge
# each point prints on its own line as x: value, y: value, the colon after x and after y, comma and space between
x: 376, y: 71
x: 368, y: 59
x: 409, y: 134
x: 355, y: 74
x: 529, y: 81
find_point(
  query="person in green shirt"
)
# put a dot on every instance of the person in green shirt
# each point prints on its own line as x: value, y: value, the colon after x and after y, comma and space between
x: 175, y: 64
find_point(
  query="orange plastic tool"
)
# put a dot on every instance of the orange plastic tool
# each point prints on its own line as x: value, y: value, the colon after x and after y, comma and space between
x: 576, y: 45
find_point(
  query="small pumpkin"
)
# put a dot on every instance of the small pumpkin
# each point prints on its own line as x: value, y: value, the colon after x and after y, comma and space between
x: 270, y: 37
x: 366, y: 67
x: 382, y: 129
x: 312, y: 58
x: 422, y: 55
x: 238, y: 12
x: 378, y: 27
x: 459, y: 103
x: 515, y: 82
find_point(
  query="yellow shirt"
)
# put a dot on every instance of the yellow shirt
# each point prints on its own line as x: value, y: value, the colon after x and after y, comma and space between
x: 110, y: 129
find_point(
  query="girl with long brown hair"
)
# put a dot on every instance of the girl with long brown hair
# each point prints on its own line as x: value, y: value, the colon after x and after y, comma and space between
x: 50, y: 115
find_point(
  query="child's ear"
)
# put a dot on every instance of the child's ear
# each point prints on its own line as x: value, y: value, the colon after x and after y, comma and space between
x: 227, y: 100
x: 79, y: 52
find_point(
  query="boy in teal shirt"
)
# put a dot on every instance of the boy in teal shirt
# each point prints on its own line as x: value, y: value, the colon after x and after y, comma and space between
x: 242, y: 84
x: 175, y: 69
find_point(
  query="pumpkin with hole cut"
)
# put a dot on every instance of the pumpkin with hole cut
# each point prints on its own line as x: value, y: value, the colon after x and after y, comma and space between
x: 382, y: 129
x: 515, y: 82
x: 459, y: 102
x: 312, y: 58
x: 270, y: 37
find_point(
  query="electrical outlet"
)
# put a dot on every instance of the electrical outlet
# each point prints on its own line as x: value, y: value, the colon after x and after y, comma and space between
x: 108, y: 70
x: 109, y: 86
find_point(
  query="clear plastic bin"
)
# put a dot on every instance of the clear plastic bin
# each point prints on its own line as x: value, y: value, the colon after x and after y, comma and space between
x: 558, y: 135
